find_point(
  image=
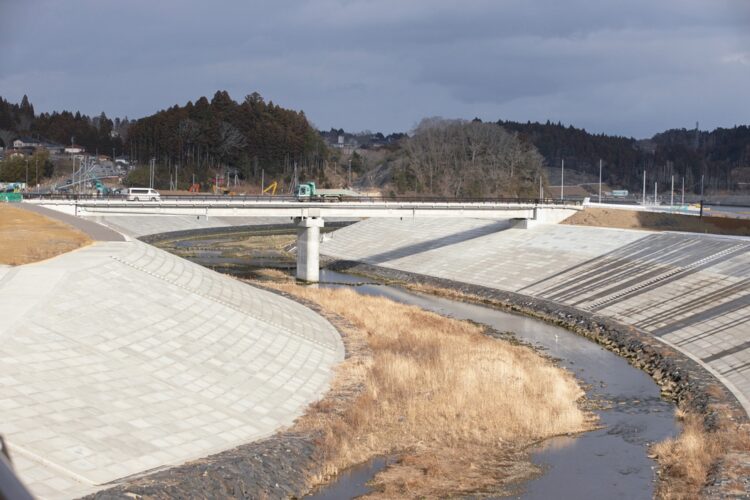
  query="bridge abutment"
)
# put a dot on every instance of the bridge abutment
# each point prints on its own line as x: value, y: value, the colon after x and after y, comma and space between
x: 308, y: 248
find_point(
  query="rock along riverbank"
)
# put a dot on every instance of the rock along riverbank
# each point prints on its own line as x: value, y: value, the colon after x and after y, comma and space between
x: 680, y: 378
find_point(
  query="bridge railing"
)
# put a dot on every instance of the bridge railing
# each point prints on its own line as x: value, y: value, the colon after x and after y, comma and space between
x: 269, y: 198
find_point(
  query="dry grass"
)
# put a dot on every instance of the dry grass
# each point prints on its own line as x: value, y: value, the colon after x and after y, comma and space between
x: 686, y: 460
x: 29, y: 237
x: 263, y: 242
x: 685, y: 463
x: 633, y: 219
x: 457, y: 406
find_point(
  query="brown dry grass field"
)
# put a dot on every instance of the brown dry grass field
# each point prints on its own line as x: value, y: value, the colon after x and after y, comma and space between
x: 28, y: 237
x: 633, y: 219
x: 685, y: 462
x: 457, y: 407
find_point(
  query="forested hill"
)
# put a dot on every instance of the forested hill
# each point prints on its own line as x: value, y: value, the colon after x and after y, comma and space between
x: 251, y: 135
x: 722, y: 155
x: 94, y: 134
x: 200, y: 137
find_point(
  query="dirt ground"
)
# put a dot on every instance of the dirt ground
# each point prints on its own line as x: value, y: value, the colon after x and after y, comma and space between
x: 28, y: 237
x: 632, y: 219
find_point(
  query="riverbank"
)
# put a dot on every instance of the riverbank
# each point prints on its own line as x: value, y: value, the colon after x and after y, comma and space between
x: 723, y: 421
x: 429, y: 398
x: 430, y: 395
x: 682, y: 380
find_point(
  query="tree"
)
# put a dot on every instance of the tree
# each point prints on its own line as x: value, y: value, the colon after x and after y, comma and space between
x: 458, y: 158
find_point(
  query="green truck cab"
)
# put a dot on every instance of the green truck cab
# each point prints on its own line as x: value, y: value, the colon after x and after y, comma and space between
x: 307, y: 191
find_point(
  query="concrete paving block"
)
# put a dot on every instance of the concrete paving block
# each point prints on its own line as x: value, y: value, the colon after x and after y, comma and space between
x: 137, y: 359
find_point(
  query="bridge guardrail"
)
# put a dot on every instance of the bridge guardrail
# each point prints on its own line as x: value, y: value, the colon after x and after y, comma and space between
x: 268, y: 198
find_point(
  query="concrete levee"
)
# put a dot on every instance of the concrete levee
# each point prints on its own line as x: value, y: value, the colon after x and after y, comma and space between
x: 691, y: 291
x: 120, y: 358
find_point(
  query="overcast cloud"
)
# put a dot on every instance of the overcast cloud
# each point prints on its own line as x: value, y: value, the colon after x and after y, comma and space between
x: 629, y: 67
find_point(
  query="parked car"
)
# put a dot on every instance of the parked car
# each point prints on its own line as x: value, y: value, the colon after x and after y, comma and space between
x: 142, y: 194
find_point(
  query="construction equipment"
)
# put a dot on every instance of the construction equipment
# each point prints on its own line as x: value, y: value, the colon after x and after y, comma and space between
x: 308, y: 192
x: 271, y: 187
x: 101, y: 189
x: 221, y: 190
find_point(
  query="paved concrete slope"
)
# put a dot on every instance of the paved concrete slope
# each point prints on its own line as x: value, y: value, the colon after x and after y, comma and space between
x: 690, y: 290
x: 96, y: 232
x: 119, y: 358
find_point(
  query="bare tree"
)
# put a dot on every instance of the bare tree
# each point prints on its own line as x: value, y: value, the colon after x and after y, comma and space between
x: 458, y: 158
x: 230, y: 139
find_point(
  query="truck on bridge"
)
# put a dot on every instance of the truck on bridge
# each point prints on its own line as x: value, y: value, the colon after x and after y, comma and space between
x: 308, y: 192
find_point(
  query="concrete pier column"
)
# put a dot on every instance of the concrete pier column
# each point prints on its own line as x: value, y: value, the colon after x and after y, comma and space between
x: 308, y: 248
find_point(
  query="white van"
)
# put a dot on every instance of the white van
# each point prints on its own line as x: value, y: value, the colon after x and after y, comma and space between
x: 142, y: 194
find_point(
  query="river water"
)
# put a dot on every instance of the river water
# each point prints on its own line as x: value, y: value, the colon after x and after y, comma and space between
x: 610, y: 462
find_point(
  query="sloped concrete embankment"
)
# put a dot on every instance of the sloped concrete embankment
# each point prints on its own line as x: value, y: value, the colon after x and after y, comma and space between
x: 120, y: 358
x: 669, y: 303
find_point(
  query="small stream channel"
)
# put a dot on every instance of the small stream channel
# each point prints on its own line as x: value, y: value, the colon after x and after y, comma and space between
x: 610, y: 462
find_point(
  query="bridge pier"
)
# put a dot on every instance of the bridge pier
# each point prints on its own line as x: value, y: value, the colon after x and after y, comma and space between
x: 308, y: 248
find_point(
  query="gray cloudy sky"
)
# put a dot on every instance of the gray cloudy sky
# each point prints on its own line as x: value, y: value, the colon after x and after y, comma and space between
x: 629, y: 67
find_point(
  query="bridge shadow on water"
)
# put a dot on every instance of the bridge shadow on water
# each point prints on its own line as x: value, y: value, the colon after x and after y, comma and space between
x: 452, y: 239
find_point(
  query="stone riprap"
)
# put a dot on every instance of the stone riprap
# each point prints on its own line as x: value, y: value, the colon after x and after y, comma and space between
x: 691, y: 291
x: 120, y: 358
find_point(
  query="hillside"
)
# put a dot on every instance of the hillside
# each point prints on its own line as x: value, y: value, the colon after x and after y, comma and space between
x: 248, y: 137
x: 722, y: 155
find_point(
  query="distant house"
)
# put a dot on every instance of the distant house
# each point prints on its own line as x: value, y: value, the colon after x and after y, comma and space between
x: 26, y: 142
x: 74, y: 149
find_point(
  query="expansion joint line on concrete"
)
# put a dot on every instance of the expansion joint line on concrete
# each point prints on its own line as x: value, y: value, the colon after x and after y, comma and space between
x: 599, y: 303
x: 224, y: 303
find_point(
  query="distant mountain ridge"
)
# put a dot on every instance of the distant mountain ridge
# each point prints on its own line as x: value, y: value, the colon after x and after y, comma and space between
x: 721, y: 155
x: 255, y: 135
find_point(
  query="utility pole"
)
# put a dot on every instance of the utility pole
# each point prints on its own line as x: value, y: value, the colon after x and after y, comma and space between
x: 600, y: 180
x: 702, y: 176
x: 36, y: 168
x: 350, y: 172
x: 644, y: 187
x: 655, y: 183
x: 151, y: 173
x: 562, y: 180
x: 682, y: 201
x: 262, y: 180
x: 671, y: 194
x: 541, y: 192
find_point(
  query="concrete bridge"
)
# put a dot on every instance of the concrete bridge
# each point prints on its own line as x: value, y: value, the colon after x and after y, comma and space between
x: 309, y: 217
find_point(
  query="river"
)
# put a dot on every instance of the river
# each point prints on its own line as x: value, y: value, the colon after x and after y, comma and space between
x: 611, y: 461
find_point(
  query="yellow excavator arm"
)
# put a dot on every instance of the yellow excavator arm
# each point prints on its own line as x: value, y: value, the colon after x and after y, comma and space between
x: 271, y: 187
